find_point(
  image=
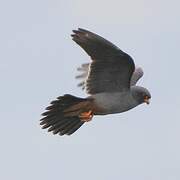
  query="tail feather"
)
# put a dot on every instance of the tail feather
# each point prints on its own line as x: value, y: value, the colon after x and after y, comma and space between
x: 49, y: 122
x: 76, y: 127
x: 70, y: 126
x: 57, y: 125
x: 57, y: 121
x: 59, y: 128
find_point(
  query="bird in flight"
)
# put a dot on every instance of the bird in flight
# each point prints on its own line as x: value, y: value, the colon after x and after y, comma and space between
x: 110, y: 80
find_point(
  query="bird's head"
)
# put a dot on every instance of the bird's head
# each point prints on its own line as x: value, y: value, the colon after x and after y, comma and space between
x: 141, y: 94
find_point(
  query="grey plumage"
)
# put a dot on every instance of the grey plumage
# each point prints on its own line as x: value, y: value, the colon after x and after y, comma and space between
x: 137, y: 74
x: 110, y: 80
x: 83, y: 75
x: 111, y: 76
x: 111, y: 69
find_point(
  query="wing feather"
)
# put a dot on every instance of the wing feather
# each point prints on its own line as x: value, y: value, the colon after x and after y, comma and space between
x: 111, y: 68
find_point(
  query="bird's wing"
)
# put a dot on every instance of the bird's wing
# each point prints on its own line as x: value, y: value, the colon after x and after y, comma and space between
x: 111, y: 69
x: 83, y: 74
x: 137, y: 74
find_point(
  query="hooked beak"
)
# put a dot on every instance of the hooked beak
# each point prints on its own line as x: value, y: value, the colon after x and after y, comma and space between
x: 146, y: 100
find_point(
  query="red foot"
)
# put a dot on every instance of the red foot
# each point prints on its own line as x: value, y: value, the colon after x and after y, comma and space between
x: 86, y: 116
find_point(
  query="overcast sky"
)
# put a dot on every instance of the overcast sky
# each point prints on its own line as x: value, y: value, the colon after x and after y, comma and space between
x: 38, y: 62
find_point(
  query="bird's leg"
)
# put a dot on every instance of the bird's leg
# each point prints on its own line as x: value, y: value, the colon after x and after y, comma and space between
x: 86, y: 116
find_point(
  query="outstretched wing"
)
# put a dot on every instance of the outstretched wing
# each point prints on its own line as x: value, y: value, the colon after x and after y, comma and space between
x: 137, y: 74
x: 111, y: 69
x: 83, y: 74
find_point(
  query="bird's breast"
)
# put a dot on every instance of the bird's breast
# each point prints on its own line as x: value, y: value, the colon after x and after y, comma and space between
x: 114, y: 102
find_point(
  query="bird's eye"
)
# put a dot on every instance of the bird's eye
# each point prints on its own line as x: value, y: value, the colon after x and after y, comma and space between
x: 146, y: 97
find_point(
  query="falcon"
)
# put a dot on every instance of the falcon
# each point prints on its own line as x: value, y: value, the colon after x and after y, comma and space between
x: 110, y: 80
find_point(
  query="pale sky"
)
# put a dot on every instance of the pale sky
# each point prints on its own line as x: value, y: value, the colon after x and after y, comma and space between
x: 38, y: 62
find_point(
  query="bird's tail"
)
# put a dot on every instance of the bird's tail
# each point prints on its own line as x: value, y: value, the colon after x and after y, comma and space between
x: 66, y: 114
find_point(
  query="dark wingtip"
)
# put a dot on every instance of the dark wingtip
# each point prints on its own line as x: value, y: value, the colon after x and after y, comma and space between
x: 82, y: 30
x: 75, y: 31
x: 78, y: 33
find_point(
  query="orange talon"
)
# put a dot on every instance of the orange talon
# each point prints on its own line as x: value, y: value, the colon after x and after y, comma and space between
x: 86, y: 116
